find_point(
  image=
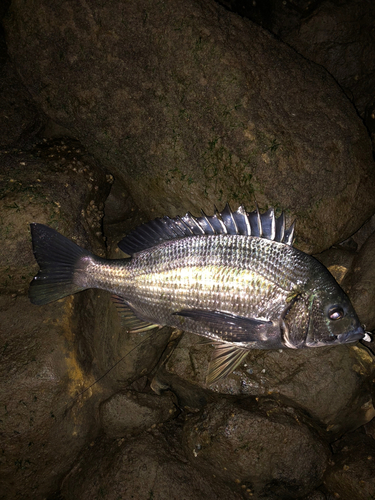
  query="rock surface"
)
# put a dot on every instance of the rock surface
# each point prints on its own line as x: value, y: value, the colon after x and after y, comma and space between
x: 331, y: 384
x: 197, y: 108
x: 19, y: 116
x: 352, y: 474
x: 55, y: 183
x: 145, y: 467
x: 256, y: 444
x: 360, y: 283
x: 43, y: 425
x: 337, y: 32
x: 132, y: 412
x: 54, y: 353
x: 46, y: 425
x: 186, y: 106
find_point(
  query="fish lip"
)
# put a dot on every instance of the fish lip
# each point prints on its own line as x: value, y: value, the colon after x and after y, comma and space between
x: 352, y: 336
x: 344, y: 338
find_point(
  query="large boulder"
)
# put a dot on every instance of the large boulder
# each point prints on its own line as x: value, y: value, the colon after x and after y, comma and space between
x: 148, y: 466
x: 351, y: 474
x: 191, y: 106
x: 53, y: 355
x: 335, y: 32
x: 332, y: 384
x: 19, y: 116
x: 44, y: 420
x: 46, y: 414
x: 258, y: 444
x: 131, y: 412
x: 360, y: 283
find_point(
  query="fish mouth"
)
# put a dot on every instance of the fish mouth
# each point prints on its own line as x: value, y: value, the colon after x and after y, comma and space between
x: 353, y: 336
x: 344, y: 338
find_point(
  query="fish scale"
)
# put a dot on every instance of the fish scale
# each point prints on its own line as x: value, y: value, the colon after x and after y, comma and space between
x: 234, y: 278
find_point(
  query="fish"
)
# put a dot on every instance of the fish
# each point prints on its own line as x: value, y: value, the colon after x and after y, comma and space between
x: 233, y: 278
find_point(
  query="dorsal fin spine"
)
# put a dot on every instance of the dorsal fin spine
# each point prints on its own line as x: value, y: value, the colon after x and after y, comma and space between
x: 227, y: 222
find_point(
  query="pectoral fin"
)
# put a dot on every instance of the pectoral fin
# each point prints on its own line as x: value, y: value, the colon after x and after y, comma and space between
x: 224, y: 361
x: 227, y: 326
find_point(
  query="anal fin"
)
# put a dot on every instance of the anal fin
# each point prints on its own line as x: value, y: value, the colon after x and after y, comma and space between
x: 225, y: 360
x: 129, y: 319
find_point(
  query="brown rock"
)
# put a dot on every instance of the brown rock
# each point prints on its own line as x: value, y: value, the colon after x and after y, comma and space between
x: 19, y: 117
x: 331, y: 384
x: 43, y: 424
x: 131, y: 412
x: 360, y: 283
x: 352, y: 474
x: 55, y: 183
x: 145, y: 467
x: 337, y: 32
x: 197, y: 108
x: 256, y: 445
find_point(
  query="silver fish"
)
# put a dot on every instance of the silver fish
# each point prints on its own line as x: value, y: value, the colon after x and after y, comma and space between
x: 233, y: 277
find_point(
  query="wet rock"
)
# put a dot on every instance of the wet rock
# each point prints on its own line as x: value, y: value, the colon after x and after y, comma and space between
x: 191, y: 114
x: 132, y: 412
x: 256, y: 444
x: 331, y: 384
x: 145, y: 467
x: 360, y: 283
x: 352, y: 473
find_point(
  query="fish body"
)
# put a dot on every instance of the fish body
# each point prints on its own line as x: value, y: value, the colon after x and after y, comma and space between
x: 233, y: 278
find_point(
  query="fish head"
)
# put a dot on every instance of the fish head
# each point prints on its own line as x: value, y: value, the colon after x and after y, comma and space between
x: 332, y: 318
x: 321, y: 317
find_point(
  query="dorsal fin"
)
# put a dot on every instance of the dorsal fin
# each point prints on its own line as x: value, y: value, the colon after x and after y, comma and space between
x: 227, y: 222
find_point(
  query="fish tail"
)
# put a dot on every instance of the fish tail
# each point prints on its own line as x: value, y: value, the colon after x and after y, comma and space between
x: 58, y: 259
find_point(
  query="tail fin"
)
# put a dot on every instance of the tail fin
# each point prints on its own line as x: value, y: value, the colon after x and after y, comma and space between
x: 57, y: 257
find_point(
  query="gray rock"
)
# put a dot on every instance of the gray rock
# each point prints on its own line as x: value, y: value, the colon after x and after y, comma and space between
x: 331, y: 384
x: 197, y: 108
x: 145, y: 467
x: 131, y: 412
x: 261, y: 445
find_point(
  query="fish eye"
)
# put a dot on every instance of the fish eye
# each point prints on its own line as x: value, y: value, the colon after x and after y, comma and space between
x: 335, y: 313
